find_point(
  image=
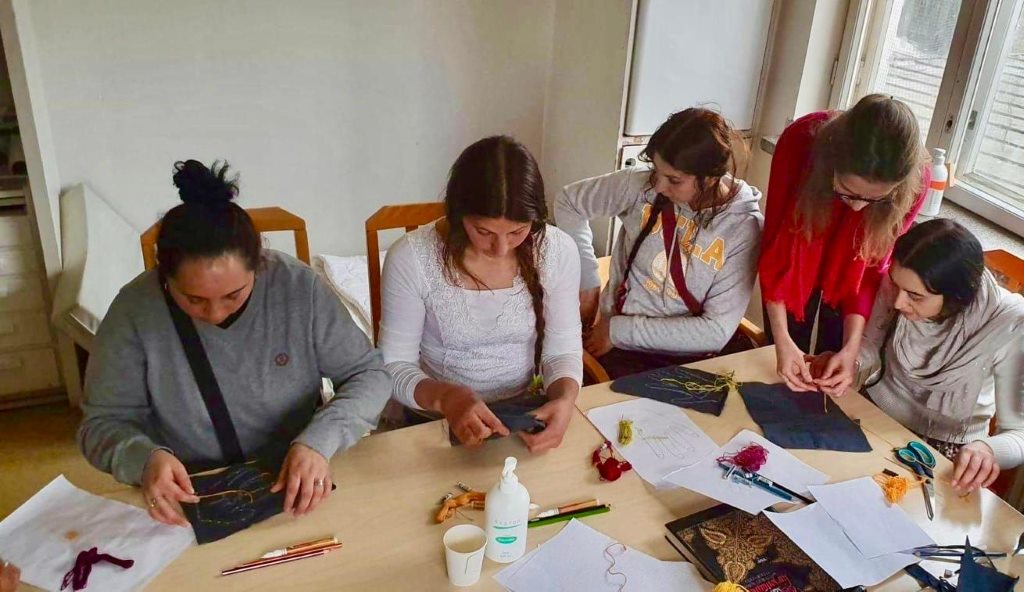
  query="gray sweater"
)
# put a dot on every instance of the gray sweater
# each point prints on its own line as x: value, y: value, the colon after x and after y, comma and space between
x: 141, y: 394
x: 720, y: 268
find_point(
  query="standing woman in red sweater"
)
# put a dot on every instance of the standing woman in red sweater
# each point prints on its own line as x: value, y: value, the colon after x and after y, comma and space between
x: 843, y: 187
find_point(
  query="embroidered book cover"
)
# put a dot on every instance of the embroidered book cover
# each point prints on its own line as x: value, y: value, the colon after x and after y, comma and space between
x: 727, y: 544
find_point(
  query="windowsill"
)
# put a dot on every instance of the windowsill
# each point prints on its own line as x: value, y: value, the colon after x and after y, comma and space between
x: 990, y: 235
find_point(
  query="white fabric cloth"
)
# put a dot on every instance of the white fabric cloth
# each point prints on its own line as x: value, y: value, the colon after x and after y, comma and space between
x: 477, y: 338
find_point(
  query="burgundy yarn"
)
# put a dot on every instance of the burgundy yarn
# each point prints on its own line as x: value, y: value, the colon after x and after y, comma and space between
x: 609, y: 468
x: 78, y: 577
x: 750, y: 458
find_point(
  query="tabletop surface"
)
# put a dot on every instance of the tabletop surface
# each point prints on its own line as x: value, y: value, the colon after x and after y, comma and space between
x: 389, y: 486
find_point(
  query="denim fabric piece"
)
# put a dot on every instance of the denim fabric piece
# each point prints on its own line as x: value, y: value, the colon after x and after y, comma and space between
x: 800, y: 420
x: 975, y: 577
x: 238, y: 497
x: 665, y: 385
x: 515, y: 414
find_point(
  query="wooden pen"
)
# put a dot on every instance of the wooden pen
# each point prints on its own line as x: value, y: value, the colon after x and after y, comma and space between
x: 260, y: 563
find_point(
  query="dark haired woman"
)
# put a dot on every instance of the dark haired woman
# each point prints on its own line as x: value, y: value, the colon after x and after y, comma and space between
x: 479, y: 304
x: 951, y: 351
x: 686, y: 255
x: 843, y: 186
x: 270, y: 330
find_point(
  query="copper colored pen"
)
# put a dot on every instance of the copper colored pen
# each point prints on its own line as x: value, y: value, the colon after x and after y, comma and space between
x: 316, y: 552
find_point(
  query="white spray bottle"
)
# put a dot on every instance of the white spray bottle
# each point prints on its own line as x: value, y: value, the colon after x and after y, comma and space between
x: 507, y: 510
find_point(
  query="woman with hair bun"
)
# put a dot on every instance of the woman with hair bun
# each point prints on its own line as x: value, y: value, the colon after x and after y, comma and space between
x: 685, y: 259
x: 266, y: 328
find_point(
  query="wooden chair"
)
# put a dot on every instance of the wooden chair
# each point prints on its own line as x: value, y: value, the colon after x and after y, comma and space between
x: 411, y: 217
x: 264, y: 219
x: 748, y: 328
x: 1008, y: 269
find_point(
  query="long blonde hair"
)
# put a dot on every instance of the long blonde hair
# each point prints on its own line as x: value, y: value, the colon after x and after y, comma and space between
x: 878, y: 139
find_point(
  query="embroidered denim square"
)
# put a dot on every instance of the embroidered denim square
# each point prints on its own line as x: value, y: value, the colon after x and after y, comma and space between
x: 515, y: 414
x: 801, y: 420
x: 679, y: 386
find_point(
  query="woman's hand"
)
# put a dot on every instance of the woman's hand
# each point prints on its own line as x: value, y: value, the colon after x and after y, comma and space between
x: 589, y: 300
x: 556, y: 414
x: 469, y: 418
x: 306, y: 478
x: 793, y: 367
x: 834, y: 373
x: 165, y: 484
x: 9, y: 577
x: 975, y: 467
x: 599, y: 341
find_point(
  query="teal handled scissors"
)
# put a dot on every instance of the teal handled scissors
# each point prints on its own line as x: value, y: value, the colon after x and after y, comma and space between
x: 921, y: 460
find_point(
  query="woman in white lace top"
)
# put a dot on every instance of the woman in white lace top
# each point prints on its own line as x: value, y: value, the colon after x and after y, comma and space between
x: 477, y: 305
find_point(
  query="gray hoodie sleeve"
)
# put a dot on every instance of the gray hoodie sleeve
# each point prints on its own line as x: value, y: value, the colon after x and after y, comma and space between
x: 115, y: 432
x: 598, y: 197
x: 362, y: 386
x: 724, y: 306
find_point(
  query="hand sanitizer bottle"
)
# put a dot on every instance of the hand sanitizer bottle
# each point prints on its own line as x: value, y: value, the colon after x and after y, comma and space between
x: 933, y: 199
x: 507, y: 510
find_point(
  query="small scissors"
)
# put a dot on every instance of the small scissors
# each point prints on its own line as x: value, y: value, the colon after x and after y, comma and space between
x: 921, y: 460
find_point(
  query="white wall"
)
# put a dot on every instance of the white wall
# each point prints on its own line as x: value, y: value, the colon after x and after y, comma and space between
x: 586, y: 91
x: 327, y: 108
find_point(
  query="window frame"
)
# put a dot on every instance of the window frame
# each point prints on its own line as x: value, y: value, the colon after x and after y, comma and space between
x: 978, y: 27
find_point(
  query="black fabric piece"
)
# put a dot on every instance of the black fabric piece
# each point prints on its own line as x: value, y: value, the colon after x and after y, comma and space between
x: 800, y: 421
x: 975, y: 577
x: 516, y: 414
x: 224, y: 428
x: 665, y: 385
x: 928, y: 580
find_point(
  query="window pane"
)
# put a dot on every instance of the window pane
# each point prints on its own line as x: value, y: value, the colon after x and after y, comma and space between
x: 999, y: 163
x: 912, y: 53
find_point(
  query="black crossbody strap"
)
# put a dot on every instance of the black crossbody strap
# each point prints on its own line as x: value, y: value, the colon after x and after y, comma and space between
x: 207, y: 383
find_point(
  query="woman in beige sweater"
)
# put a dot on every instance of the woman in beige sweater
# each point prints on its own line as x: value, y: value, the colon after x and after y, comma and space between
x: 947, y: 341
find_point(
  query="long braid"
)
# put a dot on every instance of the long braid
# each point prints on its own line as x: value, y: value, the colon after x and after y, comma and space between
x: 528, y: 255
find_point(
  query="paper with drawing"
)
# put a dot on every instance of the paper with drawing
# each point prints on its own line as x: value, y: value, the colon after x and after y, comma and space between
x: 665, y: 439
x: 45, y: 535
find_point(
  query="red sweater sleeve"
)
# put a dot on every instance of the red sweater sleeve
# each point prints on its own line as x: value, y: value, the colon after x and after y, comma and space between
x: 790, y: 164
x: 862, y: 302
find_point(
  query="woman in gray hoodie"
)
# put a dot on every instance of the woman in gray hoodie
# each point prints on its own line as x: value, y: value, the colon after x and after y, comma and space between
x: 685, y: 259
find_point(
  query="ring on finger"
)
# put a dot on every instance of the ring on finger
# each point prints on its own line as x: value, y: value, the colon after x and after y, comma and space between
x: 318, y: 482
x: 153, y: 502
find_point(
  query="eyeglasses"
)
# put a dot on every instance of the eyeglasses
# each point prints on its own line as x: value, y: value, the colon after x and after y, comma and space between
x: 888, y: 199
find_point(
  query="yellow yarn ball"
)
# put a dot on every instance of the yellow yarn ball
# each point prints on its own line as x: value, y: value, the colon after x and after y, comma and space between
x: 728, y: 587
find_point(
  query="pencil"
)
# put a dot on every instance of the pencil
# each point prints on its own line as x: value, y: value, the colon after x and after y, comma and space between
x: 568, y: 508
x: 279, y: 560
x: 569, y: 516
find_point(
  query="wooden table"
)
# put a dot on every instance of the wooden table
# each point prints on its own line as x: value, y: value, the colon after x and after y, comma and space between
x: 389, y: 486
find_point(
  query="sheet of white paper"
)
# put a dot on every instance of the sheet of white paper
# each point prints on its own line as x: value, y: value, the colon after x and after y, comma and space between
x: 575, y: 559
x: 665, y: 439
x: 782, y: 467
x: 35, y: 538
x: 824, y: 541
x: 875, y: 527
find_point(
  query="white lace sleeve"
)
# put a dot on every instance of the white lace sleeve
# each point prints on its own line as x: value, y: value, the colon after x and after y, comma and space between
x: 563, y: 337
x: 403, y: 313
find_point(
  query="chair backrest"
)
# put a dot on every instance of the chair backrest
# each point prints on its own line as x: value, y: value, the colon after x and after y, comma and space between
x: 1008, y: 269
x: 264, y: 219
x: 407, y: 216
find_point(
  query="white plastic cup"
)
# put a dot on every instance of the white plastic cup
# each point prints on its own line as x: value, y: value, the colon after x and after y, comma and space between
x: 464, y: 553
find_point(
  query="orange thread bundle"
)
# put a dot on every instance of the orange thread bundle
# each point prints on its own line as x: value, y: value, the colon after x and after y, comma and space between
x: 895, y: 488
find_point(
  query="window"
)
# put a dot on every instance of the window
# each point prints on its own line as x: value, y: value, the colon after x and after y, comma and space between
x: 959, y: 65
